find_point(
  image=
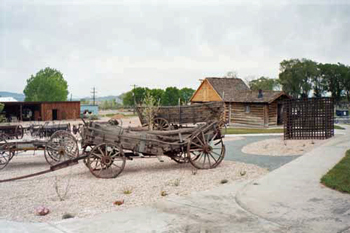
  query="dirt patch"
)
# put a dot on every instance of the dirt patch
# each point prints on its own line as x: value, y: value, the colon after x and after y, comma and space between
x: 280, y: 147
x: 143, y: 179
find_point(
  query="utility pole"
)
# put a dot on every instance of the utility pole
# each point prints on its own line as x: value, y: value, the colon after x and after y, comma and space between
x: 93, y: 95
x: 71, y: 97
x: 133, y: 93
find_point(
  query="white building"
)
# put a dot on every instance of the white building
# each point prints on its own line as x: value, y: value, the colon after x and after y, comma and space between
x: 7, y: 99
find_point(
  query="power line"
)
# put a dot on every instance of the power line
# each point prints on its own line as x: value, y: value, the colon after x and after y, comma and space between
x: 94, y: 95
x: 133, y: 93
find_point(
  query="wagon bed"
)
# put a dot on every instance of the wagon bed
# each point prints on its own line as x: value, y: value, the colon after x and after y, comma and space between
x: 110, y: 146
x: 183, y: 114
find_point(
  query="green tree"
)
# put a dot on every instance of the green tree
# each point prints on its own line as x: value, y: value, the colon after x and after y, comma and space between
x: 47, y: 85
x: 139, y: 92
x: 171, y: 96
x: 84, y: 101
x: 157, y: 93
x: 263, y: 83
x: 297, y: 76
x: 128, y: 98
x: 335, y: 78
x: 345, y: 70
x: 186, y: 94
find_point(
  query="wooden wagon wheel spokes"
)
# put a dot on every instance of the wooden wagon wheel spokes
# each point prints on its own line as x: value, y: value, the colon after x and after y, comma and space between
x: 5, y: 153
x: 106, y: 161
x: 160, y: 124
x: 62, y: 146
x: 19, y: 132
x: 206, y: 150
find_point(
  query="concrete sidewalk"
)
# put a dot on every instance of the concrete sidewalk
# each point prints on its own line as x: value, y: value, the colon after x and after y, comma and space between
x: 293, y: 196
x: 289, y: 199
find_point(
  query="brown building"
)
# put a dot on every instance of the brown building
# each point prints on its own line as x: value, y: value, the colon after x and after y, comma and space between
x: 242, y: 105
x: 44, y: 111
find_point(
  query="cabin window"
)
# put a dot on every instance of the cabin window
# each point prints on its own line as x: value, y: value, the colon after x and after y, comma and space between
x: 247, y: 109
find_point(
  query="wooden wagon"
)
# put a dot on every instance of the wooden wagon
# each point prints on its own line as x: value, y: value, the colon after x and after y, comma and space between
x: 12, y: 131
x: 107, y: 147
x: 47, y: 129
x: 173, y: 117
x: 61, y: 146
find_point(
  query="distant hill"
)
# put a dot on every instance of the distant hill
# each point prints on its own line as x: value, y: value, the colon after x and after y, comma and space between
x: 17, y: 96
x: 102, y: 98
x: 20, y: 97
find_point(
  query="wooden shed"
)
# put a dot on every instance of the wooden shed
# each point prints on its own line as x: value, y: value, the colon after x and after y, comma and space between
x: 242, y: 105
x: 45, y: 111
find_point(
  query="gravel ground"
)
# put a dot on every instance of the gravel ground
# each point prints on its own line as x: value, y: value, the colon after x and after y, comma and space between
x: 87, y: 196
x: 280, y: 147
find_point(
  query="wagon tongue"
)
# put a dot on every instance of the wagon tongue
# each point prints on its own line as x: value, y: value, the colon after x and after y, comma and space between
x: 53, y: 168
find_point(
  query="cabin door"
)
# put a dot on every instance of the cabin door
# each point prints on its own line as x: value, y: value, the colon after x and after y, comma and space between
x: 279, y: 114
x: 54, y: 114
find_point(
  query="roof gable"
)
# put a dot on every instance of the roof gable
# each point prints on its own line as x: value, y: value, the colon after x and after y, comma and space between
x: 205, y: 92
x: 228, y: 88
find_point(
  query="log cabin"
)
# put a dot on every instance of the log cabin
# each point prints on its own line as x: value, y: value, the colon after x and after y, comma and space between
x: 242, y: 105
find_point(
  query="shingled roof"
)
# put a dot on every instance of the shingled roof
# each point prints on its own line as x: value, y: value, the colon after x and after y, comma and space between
x: 227, y: 88
x: 235, y: 90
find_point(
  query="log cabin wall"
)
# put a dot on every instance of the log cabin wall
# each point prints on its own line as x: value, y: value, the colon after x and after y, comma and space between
x: 63, y: 110
x: 257, y: 115
x: 273, y: 114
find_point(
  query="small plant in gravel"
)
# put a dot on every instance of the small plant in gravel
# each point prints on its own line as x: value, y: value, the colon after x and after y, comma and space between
x: 242, y: 173
x: 176, y: 182
x: 127, y: 190
x: 224, y: 181
x: 67, y: 215
x: 163, y: 193
x: 62, y: 190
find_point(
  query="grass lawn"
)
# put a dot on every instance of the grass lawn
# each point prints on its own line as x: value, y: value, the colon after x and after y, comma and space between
x: 250, y: 131
x: 338, y: 177
x: 338, y: 127
x: 257, y: 131
x: 113, y: 114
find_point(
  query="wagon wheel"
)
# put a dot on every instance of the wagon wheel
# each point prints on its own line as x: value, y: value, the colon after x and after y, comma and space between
x: 160, y: 124
x: 106, y: 161
x: 206, y: 150
x: 62, y: 146
x: 86, y: 151
x: 19, y: 132
x: 5, y: 153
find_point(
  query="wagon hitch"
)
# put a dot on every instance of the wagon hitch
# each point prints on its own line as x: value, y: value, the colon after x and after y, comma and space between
x: 52, y: 168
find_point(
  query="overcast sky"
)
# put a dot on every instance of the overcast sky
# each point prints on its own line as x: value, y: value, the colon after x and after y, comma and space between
x: 114, y: 44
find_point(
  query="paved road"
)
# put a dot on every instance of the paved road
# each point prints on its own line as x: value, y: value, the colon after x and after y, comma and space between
x: 234, y: 152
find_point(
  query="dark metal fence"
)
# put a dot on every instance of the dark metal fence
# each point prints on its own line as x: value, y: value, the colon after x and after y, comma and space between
x: 309, y: 118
